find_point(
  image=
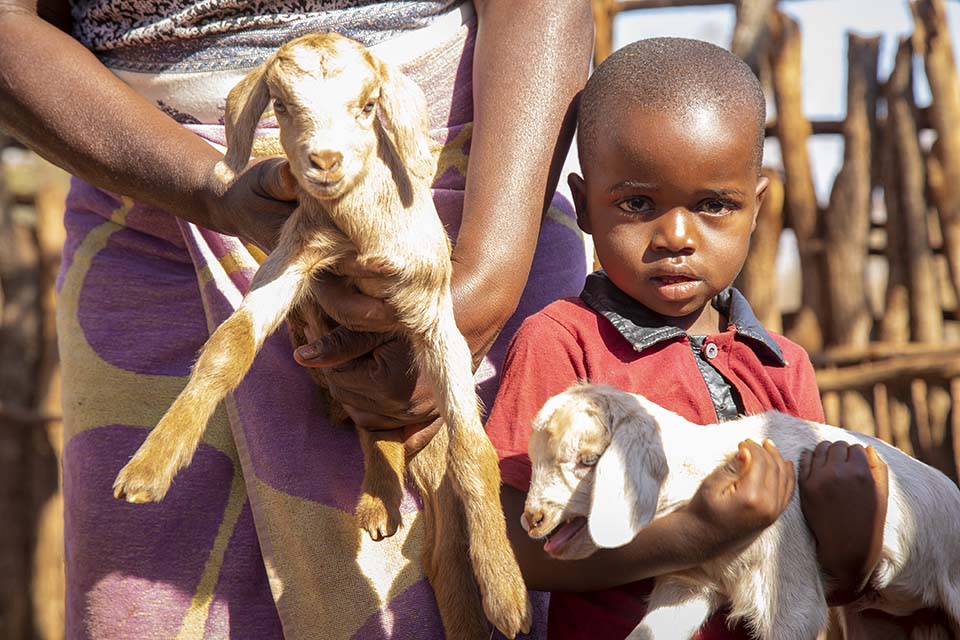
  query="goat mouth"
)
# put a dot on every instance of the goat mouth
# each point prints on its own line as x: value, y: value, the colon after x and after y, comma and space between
x: 565, y: 533
x: 324, y: 186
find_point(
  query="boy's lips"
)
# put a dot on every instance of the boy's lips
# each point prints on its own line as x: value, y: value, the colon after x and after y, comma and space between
x: 675, y: 287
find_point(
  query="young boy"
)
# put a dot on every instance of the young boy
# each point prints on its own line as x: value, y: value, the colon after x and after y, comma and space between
x: 670, y: 140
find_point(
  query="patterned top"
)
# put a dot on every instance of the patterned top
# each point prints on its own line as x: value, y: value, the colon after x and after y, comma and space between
x: 204, y: 35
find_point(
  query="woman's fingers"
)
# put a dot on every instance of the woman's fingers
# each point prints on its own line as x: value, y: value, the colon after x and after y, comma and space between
x: 338, y: 347
x: 275, y: 180
x: 341, y: 301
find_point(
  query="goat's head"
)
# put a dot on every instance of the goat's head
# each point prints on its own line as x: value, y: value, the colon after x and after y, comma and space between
x: 598, y: 464
x: 333, y: 100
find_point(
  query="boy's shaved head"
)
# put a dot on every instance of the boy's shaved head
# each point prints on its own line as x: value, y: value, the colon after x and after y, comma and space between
x: 674, y: 75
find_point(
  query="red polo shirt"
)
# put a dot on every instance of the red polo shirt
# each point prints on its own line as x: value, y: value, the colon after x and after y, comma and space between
x: 607, y: 337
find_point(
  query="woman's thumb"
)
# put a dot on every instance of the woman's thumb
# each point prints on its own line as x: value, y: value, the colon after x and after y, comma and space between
x: 339, y: 346
x: 277, y: 181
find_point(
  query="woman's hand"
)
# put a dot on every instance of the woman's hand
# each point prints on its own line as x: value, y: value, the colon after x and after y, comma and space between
x: 843, y: 493
x: 255, y: 205
x: 370, y: 368
x: 741, y: 499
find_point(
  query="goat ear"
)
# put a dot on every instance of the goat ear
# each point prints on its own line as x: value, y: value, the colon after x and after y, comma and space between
x: 246, y: 102
x: 626, y: 486
x: 403, y: 111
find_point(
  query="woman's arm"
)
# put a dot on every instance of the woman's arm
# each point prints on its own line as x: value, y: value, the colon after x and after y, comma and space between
x: 529, y: 65
x: 60, y: 101
x: 732, y: 506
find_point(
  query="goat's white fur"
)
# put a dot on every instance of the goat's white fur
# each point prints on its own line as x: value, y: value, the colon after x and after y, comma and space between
x: 652, y: 461
x: 355, y: 132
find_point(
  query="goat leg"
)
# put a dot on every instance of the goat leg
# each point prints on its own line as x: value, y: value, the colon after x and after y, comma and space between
x: 444, y: 357
x: 676, y: 611
x: 225, y: 359
x: 378, y: 511
x: 445, y: 553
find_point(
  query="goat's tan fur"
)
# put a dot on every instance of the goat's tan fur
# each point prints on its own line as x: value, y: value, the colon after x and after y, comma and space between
x: 649, y: 461
x: 355, y: 133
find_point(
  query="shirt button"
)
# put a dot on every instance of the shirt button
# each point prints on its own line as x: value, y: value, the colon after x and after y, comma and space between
x: 710, y: 350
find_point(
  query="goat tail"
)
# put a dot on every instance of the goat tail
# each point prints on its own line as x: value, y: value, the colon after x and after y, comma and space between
x: 472, y: 463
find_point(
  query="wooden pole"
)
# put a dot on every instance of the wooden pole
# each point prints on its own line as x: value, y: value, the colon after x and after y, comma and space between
x: 793, y: 129
x: 895, y: 321
x: 48, y: 583
x: 19, y: 355
x: 847, y: 220
x: 843, y: 355
x: 603, y: 13
x: 938, y: 406
x: 921, y: 415
x: 881, y: 412
x: 955, y: 423
x: 932, y: 40
x: 857, y: 413
x: 756, y: 279
x: 944, y: 364
x: 750, y: 35
x: 900, y: 420
x: 907, y: 234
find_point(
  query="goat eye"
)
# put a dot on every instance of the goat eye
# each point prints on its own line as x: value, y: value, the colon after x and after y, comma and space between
x: 367, y: 108
x: 588, y: 461
x: 279, y: 107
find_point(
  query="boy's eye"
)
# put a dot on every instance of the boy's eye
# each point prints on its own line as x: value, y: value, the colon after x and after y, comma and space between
x: 279, y: 106
x: 717, y: 207
x: 367, y: 108
x: 635, y: 204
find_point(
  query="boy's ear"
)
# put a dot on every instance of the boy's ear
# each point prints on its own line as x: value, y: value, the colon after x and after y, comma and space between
x: 578, y: 191
x: 761, y: 193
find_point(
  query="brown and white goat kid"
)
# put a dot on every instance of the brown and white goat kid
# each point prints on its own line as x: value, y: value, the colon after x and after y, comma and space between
x: 606, y: 462
x: 355, y: 132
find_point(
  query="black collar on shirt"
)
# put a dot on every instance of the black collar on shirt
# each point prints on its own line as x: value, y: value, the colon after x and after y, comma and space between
x: 643, y: 328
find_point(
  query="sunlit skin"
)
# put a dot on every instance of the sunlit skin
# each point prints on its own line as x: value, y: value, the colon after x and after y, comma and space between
x: 671, y: 199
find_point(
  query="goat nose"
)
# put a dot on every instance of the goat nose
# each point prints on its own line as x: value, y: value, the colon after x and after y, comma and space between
x: 533, y: 518
x: 326, y: 160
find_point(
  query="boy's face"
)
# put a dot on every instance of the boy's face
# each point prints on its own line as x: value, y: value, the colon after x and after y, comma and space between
x: 671, y: 200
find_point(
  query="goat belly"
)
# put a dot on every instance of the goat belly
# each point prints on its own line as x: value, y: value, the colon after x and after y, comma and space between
x: 564, y: 534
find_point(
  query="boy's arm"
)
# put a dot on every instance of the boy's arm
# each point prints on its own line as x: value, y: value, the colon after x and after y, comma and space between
x: 732, y: 506
x: 843, y: 494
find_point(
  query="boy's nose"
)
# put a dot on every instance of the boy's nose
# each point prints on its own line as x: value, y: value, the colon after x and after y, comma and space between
x: 675, y: 232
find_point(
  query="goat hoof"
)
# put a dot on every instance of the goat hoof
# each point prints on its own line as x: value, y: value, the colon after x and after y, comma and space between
x: 507, y: 604
x: 138, y: 484
x: 376, y: 519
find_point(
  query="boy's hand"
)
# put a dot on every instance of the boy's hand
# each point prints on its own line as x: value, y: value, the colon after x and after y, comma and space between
x: 843, y: 493
x: 745, y: 496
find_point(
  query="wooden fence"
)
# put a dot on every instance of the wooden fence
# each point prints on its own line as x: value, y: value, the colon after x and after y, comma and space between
x: 31, y: 512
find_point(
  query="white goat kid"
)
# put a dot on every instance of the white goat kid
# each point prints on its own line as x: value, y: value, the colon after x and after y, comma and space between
x: 606, y: 462
x: 355, y: 131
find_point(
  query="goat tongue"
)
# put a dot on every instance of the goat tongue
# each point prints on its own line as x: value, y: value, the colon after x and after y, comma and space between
x: 564, y: 534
